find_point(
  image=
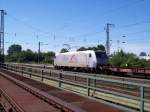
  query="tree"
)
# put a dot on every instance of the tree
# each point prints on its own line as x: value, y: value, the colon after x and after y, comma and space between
x: 49, y: 57
x: 13, y: 57
x: 143, y: 54
x: 100, y: 47
x: 63, y: 50
x: 127, y: 60
x: 16, y: 54
x: 26, y: 56
x: 14, y: 49
x: 97, y: 48
x: 1, y: 58
x: 82, y: 49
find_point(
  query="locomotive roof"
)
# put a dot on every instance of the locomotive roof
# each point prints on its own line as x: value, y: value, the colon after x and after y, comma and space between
x: 86, y: 51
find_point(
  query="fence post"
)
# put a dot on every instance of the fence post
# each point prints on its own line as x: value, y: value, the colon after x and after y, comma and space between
x: 6, y: 67
x: 22, y: 70
x: 0, y: 65
x: 75, y: 78
x: 19, y: 69
x: 16, y: 68
x: 94, y: 81
x: 50, y: 73
x: 88, y: 84
x: 42, y: 74
x: 30, y: 73
x: 60, y: 77
x: 141, y: 99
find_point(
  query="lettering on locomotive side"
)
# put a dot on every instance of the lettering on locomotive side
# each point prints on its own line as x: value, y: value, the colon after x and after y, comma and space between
x: 73, y: 59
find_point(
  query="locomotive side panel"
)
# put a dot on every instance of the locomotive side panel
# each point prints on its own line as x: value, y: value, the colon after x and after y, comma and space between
x: 76, y: 59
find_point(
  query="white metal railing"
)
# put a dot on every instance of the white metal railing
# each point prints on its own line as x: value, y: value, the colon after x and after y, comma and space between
x: 41, y: 73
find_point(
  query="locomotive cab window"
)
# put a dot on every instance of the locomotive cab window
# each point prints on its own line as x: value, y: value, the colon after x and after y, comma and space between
x: 101, y: 58
x: 90, y: 55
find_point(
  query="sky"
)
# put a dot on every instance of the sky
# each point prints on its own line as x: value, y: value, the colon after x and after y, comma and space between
x: 77, y: 23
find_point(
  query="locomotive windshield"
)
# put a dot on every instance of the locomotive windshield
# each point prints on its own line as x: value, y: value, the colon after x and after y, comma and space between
x: 101, y: 57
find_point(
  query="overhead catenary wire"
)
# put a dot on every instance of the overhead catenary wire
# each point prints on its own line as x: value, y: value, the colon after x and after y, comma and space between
x: 25, y: 23
x: 121, y: 27
x: 123, y: 6
x: 29, y: 25
x: 91, y: 33
x: 116, y: 9
x: 45, y: 32
x: 143, y: 31
x: 38, y: 30
x: 133, y: 39
x: 133, y: 24
x: 48, y: 34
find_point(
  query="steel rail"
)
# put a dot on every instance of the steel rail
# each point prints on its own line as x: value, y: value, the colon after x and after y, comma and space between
x: 14, y: 106
x: 114, y: 69
x: 66, y: 107
x: 141, y: 86
x: 56, y: 79
x: 90, y: 74
x: 84, y: 75
x: 90, y: 77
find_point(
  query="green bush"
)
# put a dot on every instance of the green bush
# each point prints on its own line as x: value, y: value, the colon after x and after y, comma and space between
x: 123, y: 59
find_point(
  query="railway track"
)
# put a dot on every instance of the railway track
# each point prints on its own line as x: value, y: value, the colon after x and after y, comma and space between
x: 137, y: 73
x: 57, y: 104
x: 121, y: 78
x: 17, y: 96
x: 119, y: 86
x: 102, y: 84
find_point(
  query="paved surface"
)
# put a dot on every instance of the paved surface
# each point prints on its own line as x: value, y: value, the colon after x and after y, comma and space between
x: 84, y: 103
x: 25, y: 100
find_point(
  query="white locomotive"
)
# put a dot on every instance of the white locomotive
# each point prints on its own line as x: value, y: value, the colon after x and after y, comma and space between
x: 81, y: 59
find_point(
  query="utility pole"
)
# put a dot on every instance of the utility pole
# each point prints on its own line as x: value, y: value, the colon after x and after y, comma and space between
x: 118, y: 45
x: 107, y: 28
x: 39, y: 50
x: 2, y: 35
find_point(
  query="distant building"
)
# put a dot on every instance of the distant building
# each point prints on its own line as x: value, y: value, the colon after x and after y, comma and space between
x: 145, y: 57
